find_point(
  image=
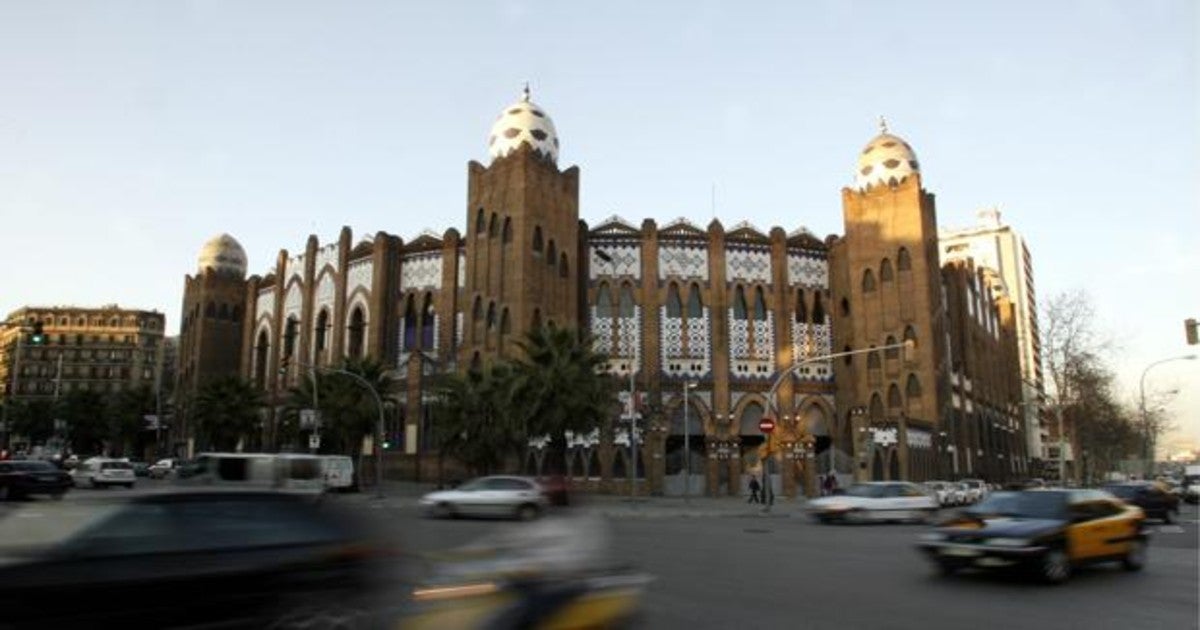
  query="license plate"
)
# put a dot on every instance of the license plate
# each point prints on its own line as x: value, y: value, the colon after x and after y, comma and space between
x: 960, y: 552
x: 993, y: 562
x: 48, y: 478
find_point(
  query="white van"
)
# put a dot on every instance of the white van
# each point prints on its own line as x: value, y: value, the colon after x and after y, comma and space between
x: 97, y: 472
x: 338, y: 473
x: 291, y: 472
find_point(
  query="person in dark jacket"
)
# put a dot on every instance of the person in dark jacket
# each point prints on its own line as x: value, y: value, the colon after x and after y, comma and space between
x: 754, y: 487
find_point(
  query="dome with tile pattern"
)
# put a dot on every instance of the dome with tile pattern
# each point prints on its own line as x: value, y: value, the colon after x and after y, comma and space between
x: 223, y: 254
x: 523, y: 122
x: 887, y: 159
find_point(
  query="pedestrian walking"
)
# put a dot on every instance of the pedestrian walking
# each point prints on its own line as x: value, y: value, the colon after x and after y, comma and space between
x: 754, y: 487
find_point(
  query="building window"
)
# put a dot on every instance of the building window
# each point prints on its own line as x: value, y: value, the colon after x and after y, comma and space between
x: 479, y: 224
x: 913, y: 388
x: 494, y: 226
x: 801, y: 314
x: 537, y: 239
x: 604, y: 302
x: 551, y: 253
x: 491, y: 317
x: 739, y: 304
x: 910, y: 335
x: 358, y: 332
x: 818, y: 311
x: 674, y: 303
x: 506, y: 236
x: 903, y: 262
x: 885, y: 271
x: 894, y: 401
x: 873, y: 360
x: 319, y: 336
x: 868, y: 281
x: 695, y: 308
x: 760, y: 305
x: 563, y: 268
x: 892, y: 353
x: 410, y: 324
x: 626, y: 303
x: 290, y: 333
x: 428, y: 321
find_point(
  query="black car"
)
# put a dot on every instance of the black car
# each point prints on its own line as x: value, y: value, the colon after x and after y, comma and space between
x: 21, y: 478
x: 196, y: 559
x: 1154, y: 500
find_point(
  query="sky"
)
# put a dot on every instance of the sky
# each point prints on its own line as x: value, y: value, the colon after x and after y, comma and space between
x: 131, y: 132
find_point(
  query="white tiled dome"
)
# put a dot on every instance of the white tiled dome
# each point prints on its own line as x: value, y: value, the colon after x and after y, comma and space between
x: 523, y: 122
x: 223, y: 254
x: 887, y: 159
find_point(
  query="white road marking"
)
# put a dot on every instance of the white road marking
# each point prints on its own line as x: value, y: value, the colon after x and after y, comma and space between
x: 1170, y: 529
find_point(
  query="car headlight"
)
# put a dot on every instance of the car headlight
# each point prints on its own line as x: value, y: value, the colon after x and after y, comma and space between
x: 1008, y: 542
x: 932, y: 537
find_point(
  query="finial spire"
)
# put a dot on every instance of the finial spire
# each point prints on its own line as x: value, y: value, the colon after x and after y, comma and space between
x: 882, y: 124
x: 525, y: 93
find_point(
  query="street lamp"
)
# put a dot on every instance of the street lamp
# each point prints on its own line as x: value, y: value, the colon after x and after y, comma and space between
x: 1148, y: 442
x: 687, y: 445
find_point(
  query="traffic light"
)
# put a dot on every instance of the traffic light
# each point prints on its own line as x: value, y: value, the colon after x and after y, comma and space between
x: 39, y: 335
x: 1189, y: 326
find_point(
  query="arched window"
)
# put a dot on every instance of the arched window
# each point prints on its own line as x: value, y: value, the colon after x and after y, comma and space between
x: 604, y: 302
x: 506, y: 237
x: 913, y: 388
x: 290, y: 332
x: 262, y: 353
x: 494, y: 226
x: 479, y: 224
x: 910, y: 335
x: 410, y: 324
x: 537, y: 239
x: 868, y: 281
x: 358, y: 332
x: 760, y: 305
x: 626, y: 303
x: 845, y: 307
x: 818, y: 312
x: 873, y: 360
x: 801, y: 308
x: 319, y: 335
x: 428, y: 323
x: 551, y: 253
x: 674, y: 303
x: 892, y: 354
x: 223, y: 314
x: 491, y: 316
x: 236, y: 314
x: 739, y: 304
x: 563, y: 268
x: 894, y: 400
x: 695, y: 308
x: 885, y: 271
x: 903, y: 261
x: 876, y: 406
x: 210, y: 311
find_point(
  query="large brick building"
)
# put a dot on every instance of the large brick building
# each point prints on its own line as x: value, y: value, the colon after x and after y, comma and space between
x: 728, y: 309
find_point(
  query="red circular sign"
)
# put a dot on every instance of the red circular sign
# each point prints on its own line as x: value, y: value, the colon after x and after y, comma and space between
x: 766, y: 425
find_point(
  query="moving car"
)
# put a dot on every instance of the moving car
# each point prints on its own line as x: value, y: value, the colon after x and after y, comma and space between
x: 338, y: 473
x: 1047, y: 532
x: 266, y: 470
x: 140, y: 469
x: 944, y: 491
x: 875, y: 501
x: 21, y: 478
x: 244, y: 559
x: 504, y: 496
x: 1155, y: 501
x: 163, y: 468
x: 974, y: 490
x: 98, y: 472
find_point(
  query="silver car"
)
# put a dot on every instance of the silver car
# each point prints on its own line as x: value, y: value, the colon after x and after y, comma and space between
x: 498, y: 496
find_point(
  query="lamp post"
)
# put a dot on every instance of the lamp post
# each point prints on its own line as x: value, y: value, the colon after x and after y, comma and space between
x: 687, y: 445
x: 1148, y: 440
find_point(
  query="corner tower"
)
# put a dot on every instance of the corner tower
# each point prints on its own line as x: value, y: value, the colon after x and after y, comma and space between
x: 210, y: 334
x: 522, y: 242
x: 887, y: 289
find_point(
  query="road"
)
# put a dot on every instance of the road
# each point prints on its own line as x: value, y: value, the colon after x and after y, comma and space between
x: 746, y: 571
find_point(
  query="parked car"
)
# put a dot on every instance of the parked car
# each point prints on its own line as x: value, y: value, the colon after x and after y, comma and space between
x: 140, y: 469
x: 943, y: 491
x: 1047, y: 532
x: 163, y: 468
x: 211, y: 558
x: 21, y: 478
x: 1150, y: 496
x: 875, y: 501
x: 974, y: 490
x: 338, y: 473
x: 517, y: 497
x: 98, y: 472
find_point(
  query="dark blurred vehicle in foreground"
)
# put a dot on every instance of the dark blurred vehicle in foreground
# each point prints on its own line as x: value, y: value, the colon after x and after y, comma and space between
x: 1045, y: 532
x: 1155, y: 501
x: 21, y: 478
x: 194, y: 559
x: 550, y: 574
x: 498, y: 496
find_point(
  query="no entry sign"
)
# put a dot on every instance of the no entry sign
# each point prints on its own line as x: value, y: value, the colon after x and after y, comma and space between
x: 766, y: 425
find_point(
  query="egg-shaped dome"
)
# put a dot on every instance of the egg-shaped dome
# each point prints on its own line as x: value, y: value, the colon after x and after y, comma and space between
x: 887, y: 159
x: 223, y: 254
x: 523, y: 122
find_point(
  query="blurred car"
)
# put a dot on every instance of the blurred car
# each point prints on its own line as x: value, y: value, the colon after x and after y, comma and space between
x: 943, y: 491
x: 503, y: 496
x: 163, y: 468
x: 338, y: 473
x: 1150, y: 496
x: 98, y: 472
x: 140, y: 469
x: 875, y: 501
x: 1191, y: 494
x: 197, y: 559
x: 21, y: 478
x: 1047, y: 532
x: 974, y: 490
x: 557, y: 489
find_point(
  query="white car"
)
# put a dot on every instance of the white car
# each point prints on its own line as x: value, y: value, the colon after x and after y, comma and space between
x: 162, y: 468
x: 876, y: 501
x: 516, y: 497
x: 97, y: 472
x: 948, y: 494
x: 338, y: 472
x: 975, y: 490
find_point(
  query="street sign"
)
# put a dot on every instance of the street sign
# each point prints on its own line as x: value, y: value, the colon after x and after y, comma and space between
x: 766, y: 425
x: 314, y: 441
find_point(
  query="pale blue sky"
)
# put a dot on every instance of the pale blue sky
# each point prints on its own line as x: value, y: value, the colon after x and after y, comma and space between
x: 130, y: 132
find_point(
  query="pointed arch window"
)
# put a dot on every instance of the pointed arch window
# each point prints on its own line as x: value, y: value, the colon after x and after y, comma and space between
x: 491, y: 316
x: 885, y: 271
x: 506, y: 235
x: 892, y: 354
x: 428, y: 323
x: 626, y: 304
x: 321, y: 334
x: 262, y: 353
x: 564, y: 268
x: 913, y: 387
x: 818, y: 311
x: 760, y: 305
x: 868, y: 281
x: 494, y: 226
x: 876, y: 406
x: 845, y: 307
x: 801, y: 314
x: 739, y: 304
x: 479, y: 222
x: 290, y: 332
x: 674, y: 302
x: 505, y: 323
x: 695, y: 306
x: 873, y: 360
x: 894, y: 401
x: 358, y: 331
x: 910, y: 336
x: 903, y: 260
x: 604, y: 301
x: 410, y: 324
x: 477, y: 310
x: 210, y: 311
x: 551, y: 253
x: 537, y: 239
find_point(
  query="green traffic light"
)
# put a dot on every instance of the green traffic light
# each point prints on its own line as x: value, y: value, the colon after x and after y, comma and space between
x: 37, y: 339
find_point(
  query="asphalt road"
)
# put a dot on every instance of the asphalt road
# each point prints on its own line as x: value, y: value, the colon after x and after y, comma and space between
x: 785, y: 571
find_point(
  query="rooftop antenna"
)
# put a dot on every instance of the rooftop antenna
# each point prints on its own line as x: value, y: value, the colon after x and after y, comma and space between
x: 882, y: 124
x: 525, y: 92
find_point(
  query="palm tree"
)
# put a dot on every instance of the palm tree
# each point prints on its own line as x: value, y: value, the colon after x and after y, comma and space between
x: 126, y: 415
x: 225, y: 411
x: 33, y: 419
x: 348, y: 411
x: 478, y: 416
x: 562, y: 387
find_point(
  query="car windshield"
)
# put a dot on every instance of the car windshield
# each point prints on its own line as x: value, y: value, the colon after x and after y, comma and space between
x: 1022, y: 505
x: 473, y: 485
x: 866, y: 490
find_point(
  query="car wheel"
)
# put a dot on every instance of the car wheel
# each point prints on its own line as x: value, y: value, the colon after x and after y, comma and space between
x: 442, y: 510
x: 1055, y: 566
x: 527, y: 512
x: 1135, y: 558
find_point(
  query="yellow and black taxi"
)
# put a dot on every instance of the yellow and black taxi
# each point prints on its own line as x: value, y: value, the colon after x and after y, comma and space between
x: 1046, y: 532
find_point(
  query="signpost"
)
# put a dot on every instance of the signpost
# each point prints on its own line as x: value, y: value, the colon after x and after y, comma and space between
x: 766, y: 425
